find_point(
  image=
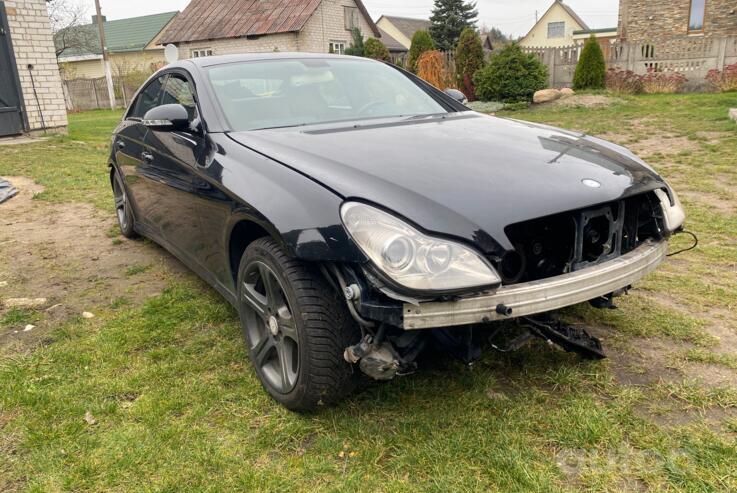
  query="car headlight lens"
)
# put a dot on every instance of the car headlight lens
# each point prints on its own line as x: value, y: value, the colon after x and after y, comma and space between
x: 411, y: 258
x: 673, y: 214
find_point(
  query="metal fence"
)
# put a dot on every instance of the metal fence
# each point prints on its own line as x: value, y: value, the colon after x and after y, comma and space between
x: 693, y: 57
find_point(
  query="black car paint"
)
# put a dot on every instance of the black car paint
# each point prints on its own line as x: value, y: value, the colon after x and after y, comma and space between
x: 460, y: 175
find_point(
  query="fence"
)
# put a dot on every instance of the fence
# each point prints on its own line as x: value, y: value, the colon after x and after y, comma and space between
x: 693, y: 57
x: 90, y: 94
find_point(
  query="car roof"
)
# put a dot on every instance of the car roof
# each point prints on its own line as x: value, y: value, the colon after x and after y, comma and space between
x: 210, y: 61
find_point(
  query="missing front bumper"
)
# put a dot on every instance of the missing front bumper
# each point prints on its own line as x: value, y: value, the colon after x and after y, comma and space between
x: 543, y: 295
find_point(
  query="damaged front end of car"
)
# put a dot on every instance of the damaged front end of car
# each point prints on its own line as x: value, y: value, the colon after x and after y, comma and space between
x: 418, y: 289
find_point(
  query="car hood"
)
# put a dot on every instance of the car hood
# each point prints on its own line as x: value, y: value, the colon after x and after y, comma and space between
x: 465, y: 174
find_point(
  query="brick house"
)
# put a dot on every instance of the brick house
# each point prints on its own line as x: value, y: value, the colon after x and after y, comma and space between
x: 31, y: 94
x: 231, y: 26
x: 661, y: 20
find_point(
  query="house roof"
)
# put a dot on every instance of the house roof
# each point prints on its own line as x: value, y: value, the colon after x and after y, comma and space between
x: 206, y: 19
x: 406, y: 25
x: 568, y: 10
x: 122, y: 35
x: 573, y: 14
x: 612, y: 30
x: 391, y: 43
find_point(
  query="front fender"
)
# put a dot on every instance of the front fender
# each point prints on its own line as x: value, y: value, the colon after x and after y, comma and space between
x: 297, y: 211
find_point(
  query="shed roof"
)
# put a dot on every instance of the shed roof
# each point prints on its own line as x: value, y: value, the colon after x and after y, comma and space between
x: 205, y: 19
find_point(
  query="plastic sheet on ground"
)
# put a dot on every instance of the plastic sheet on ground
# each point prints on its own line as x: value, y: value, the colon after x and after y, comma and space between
x: 7, y: 190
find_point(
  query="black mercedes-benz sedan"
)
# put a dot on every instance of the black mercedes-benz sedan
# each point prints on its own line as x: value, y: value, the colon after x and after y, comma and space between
x: 354, y: 214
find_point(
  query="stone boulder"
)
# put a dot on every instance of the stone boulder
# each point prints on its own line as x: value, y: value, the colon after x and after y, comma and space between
x: 567, y: 91
x: 733, y: 114
x: 546, y: 96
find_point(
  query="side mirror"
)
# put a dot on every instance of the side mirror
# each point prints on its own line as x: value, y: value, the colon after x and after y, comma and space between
x: 457, y: 95
x: 167, y: 117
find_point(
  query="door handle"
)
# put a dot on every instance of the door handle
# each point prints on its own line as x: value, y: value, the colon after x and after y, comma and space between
x: 120, y: 144
x: 147, y: 157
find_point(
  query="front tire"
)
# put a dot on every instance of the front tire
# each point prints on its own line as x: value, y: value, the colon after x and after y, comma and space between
x: 296, y: 328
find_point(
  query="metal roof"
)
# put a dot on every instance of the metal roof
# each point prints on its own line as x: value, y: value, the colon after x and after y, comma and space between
x: 205, y: 19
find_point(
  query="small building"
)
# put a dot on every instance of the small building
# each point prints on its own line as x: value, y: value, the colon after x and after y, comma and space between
x: 555, y: 28
x: 231, y: 26
x: 397, y: 51
x: 31, y: 94
x: 665, y: 20
x: 606, y: 37
x: 401, y: 29
x: 133, y: 45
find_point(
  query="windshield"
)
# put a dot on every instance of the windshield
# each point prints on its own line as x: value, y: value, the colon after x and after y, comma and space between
x: 285, y: 93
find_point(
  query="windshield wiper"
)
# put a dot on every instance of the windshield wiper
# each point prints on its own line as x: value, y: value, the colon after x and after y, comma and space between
x: 280, y: 126
x: 429, y: 115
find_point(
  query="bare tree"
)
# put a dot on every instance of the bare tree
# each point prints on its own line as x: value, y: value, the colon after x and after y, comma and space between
x: 69, y: 20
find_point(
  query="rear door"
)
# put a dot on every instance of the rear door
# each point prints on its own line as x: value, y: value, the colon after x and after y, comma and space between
x: 11, y: 103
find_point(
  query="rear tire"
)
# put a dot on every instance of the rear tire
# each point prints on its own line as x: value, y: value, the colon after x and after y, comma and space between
x: 123, y: 210
x: 296, y: 328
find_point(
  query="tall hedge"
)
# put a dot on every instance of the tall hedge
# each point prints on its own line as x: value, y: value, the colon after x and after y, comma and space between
x: 431, y: 68
x: 591, y: 68
x: 373, y: 48
x: 511, y: 76
x: 469, y: 58
x: 421, y: 42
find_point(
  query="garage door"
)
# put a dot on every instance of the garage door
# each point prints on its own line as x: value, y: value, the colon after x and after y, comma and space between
x: 11, y: 119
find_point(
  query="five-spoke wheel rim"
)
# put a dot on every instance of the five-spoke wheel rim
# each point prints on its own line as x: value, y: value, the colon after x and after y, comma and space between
x: 121, y: 201
x: 270, y: 327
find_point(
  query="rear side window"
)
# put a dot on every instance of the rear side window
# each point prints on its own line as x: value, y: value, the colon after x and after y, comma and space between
x: 179, y: 91
x: 149, y: 98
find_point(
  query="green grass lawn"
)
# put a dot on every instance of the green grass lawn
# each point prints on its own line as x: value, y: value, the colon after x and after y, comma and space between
x: 173, y: 405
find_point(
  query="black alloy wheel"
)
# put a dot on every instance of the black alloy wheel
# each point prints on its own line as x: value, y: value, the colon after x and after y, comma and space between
x: 270, y: 327
x: 296, y: 328
x: 122, y: 206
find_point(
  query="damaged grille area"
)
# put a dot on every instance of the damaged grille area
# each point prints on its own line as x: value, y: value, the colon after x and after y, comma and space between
x: 571, y: 241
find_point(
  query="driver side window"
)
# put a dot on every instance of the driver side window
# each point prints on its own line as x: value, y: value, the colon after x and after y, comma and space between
x: 178, y: 91
x: 149, y: 98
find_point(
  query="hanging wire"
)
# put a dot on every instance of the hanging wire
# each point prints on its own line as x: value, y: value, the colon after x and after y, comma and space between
x: 695, y: 244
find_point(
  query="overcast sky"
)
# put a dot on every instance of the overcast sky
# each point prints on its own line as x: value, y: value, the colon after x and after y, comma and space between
x: 513, y: 17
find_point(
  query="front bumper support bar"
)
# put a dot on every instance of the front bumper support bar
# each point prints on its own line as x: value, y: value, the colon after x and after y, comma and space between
x: 540, y: 296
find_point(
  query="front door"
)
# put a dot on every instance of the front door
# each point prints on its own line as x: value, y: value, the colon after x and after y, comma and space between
x: 11, y: 105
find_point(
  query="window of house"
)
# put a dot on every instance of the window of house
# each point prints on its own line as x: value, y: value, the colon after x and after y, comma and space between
x: 337, y: 47
x: 556, y: 30
x: 696, y: 18
x: 351, y: 17
x: 201, y: 52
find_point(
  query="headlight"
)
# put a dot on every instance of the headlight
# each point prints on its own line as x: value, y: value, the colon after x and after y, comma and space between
x: 411, y: 258
x: 673, y: 214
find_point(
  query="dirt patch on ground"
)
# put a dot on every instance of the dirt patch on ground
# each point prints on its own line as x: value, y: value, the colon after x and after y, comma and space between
x: 664, y: 144
x: 586, y: 101
x: 71, y: 255
x: 713, y: 201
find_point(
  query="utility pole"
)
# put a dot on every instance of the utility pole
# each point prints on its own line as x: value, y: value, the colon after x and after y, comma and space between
x: 536, y: 16
x: 105, y: 58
